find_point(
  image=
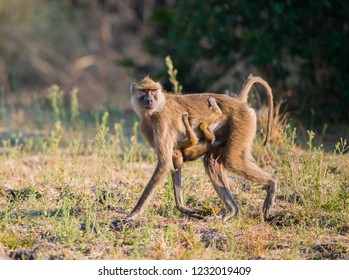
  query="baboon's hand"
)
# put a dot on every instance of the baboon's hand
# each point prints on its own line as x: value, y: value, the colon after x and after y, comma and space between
x: 212, y: 101
x: 185, y: 116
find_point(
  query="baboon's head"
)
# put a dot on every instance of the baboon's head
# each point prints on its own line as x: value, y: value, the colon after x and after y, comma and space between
x: 177, y: 159
x: 147, y: 96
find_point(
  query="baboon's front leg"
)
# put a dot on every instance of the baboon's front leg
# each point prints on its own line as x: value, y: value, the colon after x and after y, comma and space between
x: 160, y: 173
x: 177, y: 185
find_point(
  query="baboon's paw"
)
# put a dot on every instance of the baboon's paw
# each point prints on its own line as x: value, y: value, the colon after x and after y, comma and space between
x: 228, y: 216
x: 268, y: 203
x: 212, y: 101
x: 119, y: 224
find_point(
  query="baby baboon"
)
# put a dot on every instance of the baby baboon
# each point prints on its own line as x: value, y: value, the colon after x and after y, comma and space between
x: 191, y: 148
x: 234, y: 130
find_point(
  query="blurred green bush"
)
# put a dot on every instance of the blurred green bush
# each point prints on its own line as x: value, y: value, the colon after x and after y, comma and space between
x: 296, y: 45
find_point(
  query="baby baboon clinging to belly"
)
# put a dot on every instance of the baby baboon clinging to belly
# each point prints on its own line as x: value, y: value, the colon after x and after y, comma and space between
x: 191, y: 148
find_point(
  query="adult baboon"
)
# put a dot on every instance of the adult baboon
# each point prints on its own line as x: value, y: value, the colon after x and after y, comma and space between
x: 234, y: 131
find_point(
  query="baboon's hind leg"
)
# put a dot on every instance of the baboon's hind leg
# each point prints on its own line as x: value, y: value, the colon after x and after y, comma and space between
x: 239, y: 160
x: 192, y: 138
x: 212, y: 117
x: 216, y: 171
x: 250, y: 171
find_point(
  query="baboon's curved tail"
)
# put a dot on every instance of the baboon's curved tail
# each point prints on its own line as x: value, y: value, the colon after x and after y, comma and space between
x: 244, y: 94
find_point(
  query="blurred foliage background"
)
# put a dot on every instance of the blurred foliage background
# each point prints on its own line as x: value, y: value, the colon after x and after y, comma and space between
x: 300, y: 47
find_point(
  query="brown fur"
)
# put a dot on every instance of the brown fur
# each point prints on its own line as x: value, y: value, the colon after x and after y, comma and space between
x: 234, y: 131
x: 147, y: 83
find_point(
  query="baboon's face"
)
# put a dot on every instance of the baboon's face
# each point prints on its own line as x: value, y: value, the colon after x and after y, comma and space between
x: 148, y: 98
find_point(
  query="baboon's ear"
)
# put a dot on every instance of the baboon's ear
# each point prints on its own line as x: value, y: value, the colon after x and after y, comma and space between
x: 132, y: 87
